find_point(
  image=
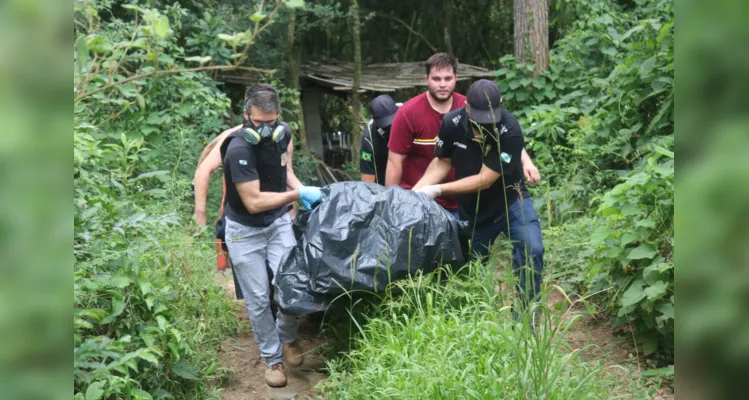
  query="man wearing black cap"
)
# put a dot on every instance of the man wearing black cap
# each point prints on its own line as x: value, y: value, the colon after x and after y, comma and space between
x: 374, y: 140
x: 484, y: 143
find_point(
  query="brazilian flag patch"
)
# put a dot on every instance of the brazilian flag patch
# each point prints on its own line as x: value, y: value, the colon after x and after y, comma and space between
x: 366, y: 156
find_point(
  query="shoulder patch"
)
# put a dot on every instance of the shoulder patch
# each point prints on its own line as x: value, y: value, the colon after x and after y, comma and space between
x: 456, y: 119
x: 242, y: 162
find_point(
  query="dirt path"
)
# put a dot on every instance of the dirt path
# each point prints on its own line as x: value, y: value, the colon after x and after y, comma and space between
x: 597, y: 340
x: 241, y: 355
x: 594, y: 337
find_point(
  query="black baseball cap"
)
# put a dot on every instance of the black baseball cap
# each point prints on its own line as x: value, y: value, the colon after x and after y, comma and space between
x: 383, y: 110
x: 483, y: 98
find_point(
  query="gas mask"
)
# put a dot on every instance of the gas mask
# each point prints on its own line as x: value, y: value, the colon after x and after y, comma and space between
x: 256, y: 134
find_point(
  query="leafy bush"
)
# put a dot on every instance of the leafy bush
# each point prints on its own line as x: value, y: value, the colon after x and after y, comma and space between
x: 599, y: 124
x: 623, y: 255
x: 148, y: 320
x: 147, y: 323
x: 636, y: 247
x: 608, y: 92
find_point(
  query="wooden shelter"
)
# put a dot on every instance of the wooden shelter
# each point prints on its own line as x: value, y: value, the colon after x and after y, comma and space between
x: 317, y: 78
x: 339, y: 76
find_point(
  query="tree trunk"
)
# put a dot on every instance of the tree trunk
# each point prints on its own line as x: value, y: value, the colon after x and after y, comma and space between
x: 355, y: 96
x: 292, y: 75
x: 294, y: 53
x: 532, y: 33
x: 448, y: 7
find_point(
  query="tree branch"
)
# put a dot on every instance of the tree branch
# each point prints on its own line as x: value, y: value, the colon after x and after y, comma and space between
x: 173, y: 71
x: 241, y: 59
x: 113, y: 82
x: 269, y: 20
x: 423, y: 38
x: 408, y: 41
x: 132, y: 40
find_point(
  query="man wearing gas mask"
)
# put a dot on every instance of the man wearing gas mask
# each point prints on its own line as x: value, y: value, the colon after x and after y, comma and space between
x: 374, y: 139
x: 258, y: 228
x: 484, y: 143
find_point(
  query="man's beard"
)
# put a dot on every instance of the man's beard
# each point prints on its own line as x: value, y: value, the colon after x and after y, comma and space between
x: 434, y: 95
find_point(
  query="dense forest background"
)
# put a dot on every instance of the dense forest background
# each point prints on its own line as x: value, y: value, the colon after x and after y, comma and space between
x: 595, y: 105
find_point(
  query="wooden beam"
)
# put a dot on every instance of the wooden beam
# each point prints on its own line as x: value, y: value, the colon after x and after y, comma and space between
x: 347, y: 89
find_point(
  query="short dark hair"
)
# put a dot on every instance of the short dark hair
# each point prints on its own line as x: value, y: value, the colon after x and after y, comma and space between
x: 257, y: 88
x: 440, y: 61
x: 263, y: 96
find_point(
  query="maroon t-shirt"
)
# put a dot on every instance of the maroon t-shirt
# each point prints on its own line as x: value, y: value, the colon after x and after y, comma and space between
x: 414, y: 134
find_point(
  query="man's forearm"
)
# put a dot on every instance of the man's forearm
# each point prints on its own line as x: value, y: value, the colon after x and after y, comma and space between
x: 201, y: 194
x: 292, y: 182
x: 265, y: 201
x: 436, y: 172
x: 471, y: 184
x: 393, y: 172
x: 524, y: 157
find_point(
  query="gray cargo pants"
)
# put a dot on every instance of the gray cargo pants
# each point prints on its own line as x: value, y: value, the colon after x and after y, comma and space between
x: 250, y: 249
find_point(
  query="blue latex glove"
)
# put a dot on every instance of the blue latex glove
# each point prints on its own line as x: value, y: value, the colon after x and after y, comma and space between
x: 309, y: 196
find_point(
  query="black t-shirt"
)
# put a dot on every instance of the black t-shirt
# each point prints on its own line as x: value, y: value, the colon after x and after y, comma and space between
x: 374, y: 152
x: 456, y: 141
x: 244, y: 162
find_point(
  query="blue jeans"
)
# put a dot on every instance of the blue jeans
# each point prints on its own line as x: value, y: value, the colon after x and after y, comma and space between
x: 251, y: 250
x: 524, y: 231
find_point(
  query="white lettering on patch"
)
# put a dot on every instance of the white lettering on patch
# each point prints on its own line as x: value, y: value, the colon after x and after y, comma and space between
x: 456, y: 119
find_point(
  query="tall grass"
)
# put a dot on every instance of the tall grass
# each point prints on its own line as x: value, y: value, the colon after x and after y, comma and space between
x: 433, y: 338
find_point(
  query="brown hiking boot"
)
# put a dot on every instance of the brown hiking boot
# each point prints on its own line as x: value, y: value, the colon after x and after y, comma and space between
x: 275, y: 375
x: 292, y: 354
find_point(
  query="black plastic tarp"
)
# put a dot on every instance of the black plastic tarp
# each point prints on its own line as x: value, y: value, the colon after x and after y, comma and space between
x: 360, y: 237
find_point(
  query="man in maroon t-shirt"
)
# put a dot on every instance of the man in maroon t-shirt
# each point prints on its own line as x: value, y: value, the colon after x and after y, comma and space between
x: 417, y: 123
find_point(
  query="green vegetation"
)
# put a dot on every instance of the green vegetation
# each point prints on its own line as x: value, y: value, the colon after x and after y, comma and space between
x: 600, y: 124
x: 148, y: 319
x: 458, y: 339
